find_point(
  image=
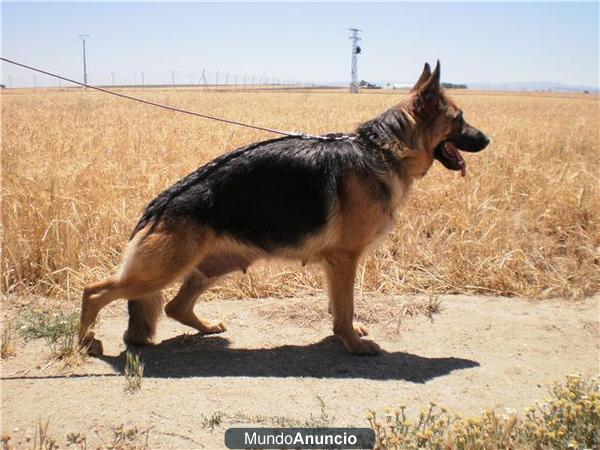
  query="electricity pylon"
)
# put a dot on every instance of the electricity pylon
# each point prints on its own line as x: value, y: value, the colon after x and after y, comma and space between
x: 356, y: 50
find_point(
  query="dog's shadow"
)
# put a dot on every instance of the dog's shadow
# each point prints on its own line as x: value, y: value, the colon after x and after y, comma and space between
x: 195, y: 356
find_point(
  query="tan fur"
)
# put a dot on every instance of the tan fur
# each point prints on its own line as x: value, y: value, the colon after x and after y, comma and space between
x: 143, y: 319
x: 181, y: 308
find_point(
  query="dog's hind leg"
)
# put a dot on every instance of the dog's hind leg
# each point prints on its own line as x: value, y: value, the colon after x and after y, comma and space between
x: 143, y: 319
x: 206, y: 273
x: 340, y: 271
x: 98, y: 296
x: 151, y: 263
x: 90, y: 306
x: 181, y: 308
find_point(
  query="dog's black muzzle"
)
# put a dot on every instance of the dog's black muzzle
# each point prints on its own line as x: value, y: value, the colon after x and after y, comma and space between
x: 470, y: 139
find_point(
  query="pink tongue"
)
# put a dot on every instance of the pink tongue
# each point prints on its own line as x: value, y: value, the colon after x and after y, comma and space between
x: 456, y: 153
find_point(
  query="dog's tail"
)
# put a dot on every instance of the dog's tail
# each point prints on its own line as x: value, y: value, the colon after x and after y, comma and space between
x: 143, y: 319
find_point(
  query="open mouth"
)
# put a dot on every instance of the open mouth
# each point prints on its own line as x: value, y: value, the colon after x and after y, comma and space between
x: 449, y: 155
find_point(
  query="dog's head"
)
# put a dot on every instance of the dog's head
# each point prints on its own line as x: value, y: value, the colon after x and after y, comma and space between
x: 440, y: 130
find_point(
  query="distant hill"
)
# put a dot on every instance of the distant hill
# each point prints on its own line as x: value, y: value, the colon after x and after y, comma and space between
x: 534, y: 86
x: 531, y: 86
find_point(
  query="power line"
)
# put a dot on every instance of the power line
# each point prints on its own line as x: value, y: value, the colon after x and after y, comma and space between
x: 160, y: 105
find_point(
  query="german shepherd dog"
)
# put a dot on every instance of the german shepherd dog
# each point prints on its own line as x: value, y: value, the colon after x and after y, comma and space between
x: 320, y: 199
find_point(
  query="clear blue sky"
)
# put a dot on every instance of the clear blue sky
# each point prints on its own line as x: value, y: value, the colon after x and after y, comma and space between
x: 476, y: 42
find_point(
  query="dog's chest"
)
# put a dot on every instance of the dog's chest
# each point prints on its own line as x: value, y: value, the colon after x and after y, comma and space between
x: 398, y: 186
x: 398, y: 189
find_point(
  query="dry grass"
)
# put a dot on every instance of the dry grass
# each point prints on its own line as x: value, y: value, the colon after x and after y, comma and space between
x: 42, y: 439
x: 8, y: 344
x: 120, y: 437
x: 134, y: 372
x: 80, y: 166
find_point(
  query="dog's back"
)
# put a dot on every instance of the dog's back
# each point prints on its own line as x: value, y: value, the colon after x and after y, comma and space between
x: 271, y: 194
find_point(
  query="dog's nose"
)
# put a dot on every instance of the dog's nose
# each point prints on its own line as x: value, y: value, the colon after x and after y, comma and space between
x: 484, y: 141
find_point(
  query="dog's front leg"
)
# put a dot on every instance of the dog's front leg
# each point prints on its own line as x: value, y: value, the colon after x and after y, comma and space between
x: 340, y: 271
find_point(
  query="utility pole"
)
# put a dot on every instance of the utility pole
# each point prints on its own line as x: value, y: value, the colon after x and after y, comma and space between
x: 217, y: 78
x: 172, y: 79
x: 34, y: 81
x: 9, y: 81
x: 112, y: 75
x: 142, y: 79
x: 204, y: 79
x: 83, y: 37
x: 356, y: 50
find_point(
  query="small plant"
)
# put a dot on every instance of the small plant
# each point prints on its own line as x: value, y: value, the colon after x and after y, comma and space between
x: 8, y: 346
x: 488, y: 431
x: 77, y: 439
x: 396, y: 431
x: 38, y: 325
x: 432, y: 307
x: 129, y: 438
x: 59, y: 330
x: 134, y: 372
x: 571, y: 419
x: 42, y: 439
x: 322, y: 420
x: 213, y: 421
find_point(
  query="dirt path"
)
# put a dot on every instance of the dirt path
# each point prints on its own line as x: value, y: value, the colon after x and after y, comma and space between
x: 266, y: 370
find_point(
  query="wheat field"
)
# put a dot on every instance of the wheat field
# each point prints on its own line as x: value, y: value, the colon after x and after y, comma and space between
x: 78, y: 168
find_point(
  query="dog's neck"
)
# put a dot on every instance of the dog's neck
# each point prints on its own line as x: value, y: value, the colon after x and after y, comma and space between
x: 393, y: 134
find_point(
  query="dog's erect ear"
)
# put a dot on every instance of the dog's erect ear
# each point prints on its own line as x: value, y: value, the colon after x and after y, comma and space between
x: 432, y: 85
x: 423, y: 78
x: 428, y: 93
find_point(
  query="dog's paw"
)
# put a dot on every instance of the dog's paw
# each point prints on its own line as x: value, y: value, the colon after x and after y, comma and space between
x: 134, y: 337
x: 91, y: 346
x: 214, y: 327
x: 360, y: 329
x: 364, y: 347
